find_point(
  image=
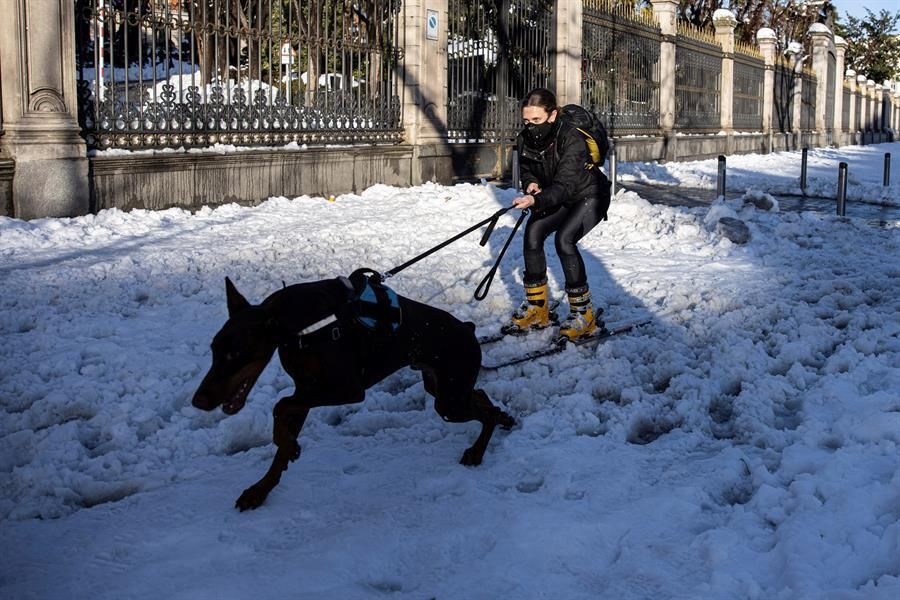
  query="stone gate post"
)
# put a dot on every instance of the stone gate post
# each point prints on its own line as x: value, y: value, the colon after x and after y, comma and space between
x: 725, y: 23
x: 821, y: 45
x: 766, y: 39
x: 425, y: 90
x: 666, y: 15
x: 40, y: 110
x: 567, y: 51
x: 837, y: 126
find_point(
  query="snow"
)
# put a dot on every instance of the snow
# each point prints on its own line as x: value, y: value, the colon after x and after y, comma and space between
x: 743, y: 445
x: 865, y: 173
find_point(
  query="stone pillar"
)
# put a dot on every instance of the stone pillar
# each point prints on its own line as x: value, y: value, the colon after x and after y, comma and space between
x: 870, y: 102
x: 40, y: 108
x: 863, y: 107
x: 821, y: 44
x: 766, y: 39
x: 425, y: 92
x: 666, y: 14
x: 568, y: 34
x: 725, y: 23
x: 895, y: 108
x: 840, y: 49
x: 889, y: 105
x: 892, y: 106
x: 879, y: 106
x: 795, y: 53
x: 852, y: 124
x: 885, y: 100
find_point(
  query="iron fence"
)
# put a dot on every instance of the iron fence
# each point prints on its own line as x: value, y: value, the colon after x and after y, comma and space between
x: 157, y: 73
x: 783, y: 109
x: 620, y: 68
x: 860, y: 126
x: 808, y: 101
x: 749, y: 78
x: 698, y: 71
x: 845, y: 109
x: 497, y: 52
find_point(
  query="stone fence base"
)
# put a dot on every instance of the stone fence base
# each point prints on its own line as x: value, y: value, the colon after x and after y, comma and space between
x: 193, y: 180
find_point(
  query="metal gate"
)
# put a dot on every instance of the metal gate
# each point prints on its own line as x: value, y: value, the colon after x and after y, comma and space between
x: 620, y: 67
x: 173, y: 73
x: 497, y: 51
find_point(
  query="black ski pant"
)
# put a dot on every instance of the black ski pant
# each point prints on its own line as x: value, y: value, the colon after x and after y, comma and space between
x: 571, y: 223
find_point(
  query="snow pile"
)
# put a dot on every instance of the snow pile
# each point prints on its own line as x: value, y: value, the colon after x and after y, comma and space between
x: 743, y: 445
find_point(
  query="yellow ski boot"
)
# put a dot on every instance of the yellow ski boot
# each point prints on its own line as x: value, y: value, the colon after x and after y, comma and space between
x: 533, y: 313
x: 581, y: 322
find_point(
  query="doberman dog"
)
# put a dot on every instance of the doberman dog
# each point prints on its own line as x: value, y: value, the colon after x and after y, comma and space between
x: 335, y: 345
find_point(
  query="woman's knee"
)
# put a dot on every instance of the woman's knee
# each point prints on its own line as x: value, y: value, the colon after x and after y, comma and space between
x: 566, y: 243
x: 534, y: 240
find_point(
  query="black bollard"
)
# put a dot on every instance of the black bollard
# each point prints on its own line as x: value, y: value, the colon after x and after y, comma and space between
x: 720, y: 187
x: 612, y: 170
x: 887, y: 169
x: 803, y: 171
x: 842, y: 190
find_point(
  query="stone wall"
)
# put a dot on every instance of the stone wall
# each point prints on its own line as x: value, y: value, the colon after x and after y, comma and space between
x: 193, y: 180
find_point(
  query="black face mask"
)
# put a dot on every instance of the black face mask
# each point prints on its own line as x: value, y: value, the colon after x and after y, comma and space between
x: 539, y: 133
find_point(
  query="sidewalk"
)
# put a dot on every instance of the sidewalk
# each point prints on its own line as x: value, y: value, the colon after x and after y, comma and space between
x: 875, y: 214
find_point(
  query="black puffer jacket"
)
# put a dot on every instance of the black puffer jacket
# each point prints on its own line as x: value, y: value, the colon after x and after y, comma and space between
x: 559, y: 167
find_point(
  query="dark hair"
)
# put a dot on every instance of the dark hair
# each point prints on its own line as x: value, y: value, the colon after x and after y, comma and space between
x: 540, y: 97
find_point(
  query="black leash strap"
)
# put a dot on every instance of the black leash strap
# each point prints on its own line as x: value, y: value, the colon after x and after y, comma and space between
x: 485, y: 285
x: 490, y: 221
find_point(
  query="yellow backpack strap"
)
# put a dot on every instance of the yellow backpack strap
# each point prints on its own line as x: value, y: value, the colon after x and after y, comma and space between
x: 593, y: 148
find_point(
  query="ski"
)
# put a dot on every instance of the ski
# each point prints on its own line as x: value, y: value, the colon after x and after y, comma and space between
x: 560, y: 344
x: 502, y: 334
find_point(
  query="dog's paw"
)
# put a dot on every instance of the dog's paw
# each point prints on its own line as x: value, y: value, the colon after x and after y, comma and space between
x: 293, y: 451
x: 505, y: 421
x: 252, y: 498
x: 471, y: 457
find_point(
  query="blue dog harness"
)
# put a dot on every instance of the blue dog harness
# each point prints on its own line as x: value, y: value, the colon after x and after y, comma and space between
x: 372, y: 305
x: 378, y: 307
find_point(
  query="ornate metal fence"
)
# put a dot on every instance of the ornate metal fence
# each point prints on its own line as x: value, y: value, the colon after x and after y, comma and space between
x: 698, y: 72
x: 845, y: 109
x: 156, y: 73
x: 749, y: 77
x: 808, y: 101
x: 620, y: 67
x: 783, y: 109
x: 860, y: 126
x: 498, y: 50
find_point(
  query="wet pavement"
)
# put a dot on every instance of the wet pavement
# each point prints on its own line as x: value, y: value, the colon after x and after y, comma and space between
x: 876, y: 214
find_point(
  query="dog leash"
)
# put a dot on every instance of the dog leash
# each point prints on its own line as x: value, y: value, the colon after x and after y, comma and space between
x: 491, y: 223
x: 481, y: 294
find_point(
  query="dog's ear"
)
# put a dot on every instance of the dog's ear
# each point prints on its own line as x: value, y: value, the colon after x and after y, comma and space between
x: 236, y: 302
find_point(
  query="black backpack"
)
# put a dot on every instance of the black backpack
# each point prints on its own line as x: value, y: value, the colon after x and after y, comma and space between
x: 595, y: 137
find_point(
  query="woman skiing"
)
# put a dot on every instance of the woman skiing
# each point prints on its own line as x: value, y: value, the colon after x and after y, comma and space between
x: 568, y: 195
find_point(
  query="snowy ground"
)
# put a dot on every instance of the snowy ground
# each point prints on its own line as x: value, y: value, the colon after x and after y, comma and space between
x: 865, y: 173
x: 744, y: 445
